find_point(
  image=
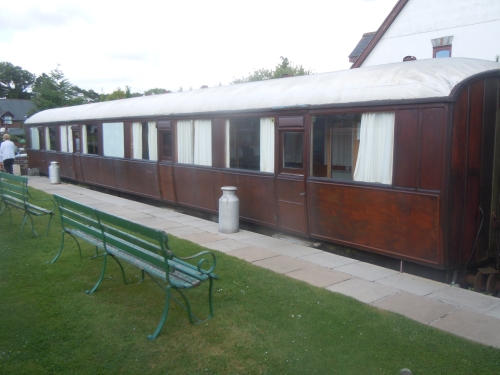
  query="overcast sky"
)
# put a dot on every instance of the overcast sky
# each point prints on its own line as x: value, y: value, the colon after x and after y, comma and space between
x: 106, y: 44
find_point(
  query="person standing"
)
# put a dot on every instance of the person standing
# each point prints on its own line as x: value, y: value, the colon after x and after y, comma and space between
x: 7, y: 153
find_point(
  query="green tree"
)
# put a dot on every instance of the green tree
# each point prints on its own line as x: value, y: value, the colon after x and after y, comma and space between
x: 284, y: 69
x: 15, y: 81
x: 156, y: 91
x: 53, y: 90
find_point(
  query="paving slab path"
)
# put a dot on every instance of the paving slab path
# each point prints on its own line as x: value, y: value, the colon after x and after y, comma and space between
x: 459, y: 311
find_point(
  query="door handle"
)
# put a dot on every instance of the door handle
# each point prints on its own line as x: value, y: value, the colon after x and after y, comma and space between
x: 304, y: 193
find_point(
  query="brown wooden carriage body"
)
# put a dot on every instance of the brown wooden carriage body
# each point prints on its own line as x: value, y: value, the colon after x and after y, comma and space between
x: 443, y: 199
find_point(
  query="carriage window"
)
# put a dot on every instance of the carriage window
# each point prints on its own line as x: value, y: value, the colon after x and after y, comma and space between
x: 293, y: 150
x: 113, y: 139
x: 90, y: 140
x: 35, y: 138
x: 166, y: 144
x: 194, y: 142
x: 76, y: 138
x: 66, y: 136
x: 250, y: 144
x: 144, y: 141
x: 50, y: 138
x: 357, y: 147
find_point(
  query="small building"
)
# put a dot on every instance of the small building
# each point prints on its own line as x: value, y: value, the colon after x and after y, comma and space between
x: 432, y: 29
x: 13, y: 113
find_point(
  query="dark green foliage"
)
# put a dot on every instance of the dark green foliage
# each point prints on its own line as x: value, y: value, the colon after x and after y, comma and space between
x: 15, y: 81
x: 284, y: 69
x: 264, y: 322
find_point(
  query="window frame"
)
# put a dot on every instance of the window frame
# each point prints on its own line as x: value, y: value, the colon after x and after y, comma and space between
x: 437, y: 49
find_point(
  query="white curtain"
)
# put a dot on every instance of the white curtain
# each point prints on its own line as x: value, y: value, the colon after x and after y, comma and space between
x: 85, y: 148
x: 185, y: 141
x: 47, y: 138
x: 267, y: 144
x: 228, y: 144
x: 376, y: 146
x: 203, y: 142
x: 137, y: 140
x: 35, y: 138
x: 113, y: 139
x: 63, y: 131
x: 70, y: 139
x: 152, y: 141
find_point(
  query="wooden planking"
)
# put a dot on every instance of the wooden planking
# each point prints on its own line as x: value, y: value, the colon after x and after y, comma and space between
x: 98, y: 170
x: 457, y: 177
x: 291, y: 121
x: 166, y: 178
x: 193, y: 186
x: 432, y: 142
x: 77, y: 162
x: 292, y: 205
x: 400, y: 224
x: 406, y: 149
x: 137, y: 176
x: 473, y: 168
x: 66, y: 165
x: 256, y: 193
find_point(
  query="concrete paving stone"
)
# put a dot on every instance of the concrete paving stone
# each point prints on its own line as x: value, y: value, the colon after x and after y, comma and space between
x: 240, y: 235
x: 319, y: 276
x: 418, y: 308
x: 182, y: 218
x: 495, y: 312
x: 225, y: 245
x: 154, y: 222
x: 202, y: 238
x: 151, y: 210
x: 294, y: 250
x: 282, y: 264
x: 473, y: 326
x: 134, y: 216
x: 167, y: 225
x: 167, y: 214
x: 211, y: 228
x: 466, y: 299
x: 366, y: 271
x: 197, y: 223
x: 412, y: 284
x: 252, y: 253
x: 264, y: 242
x: 363, y: 290
x: 328, y: 260
x: 183, y: 231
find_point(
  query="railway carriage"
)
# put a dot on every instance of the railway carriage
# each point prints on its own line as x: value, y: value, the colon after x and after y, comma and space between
x: 401, y: 160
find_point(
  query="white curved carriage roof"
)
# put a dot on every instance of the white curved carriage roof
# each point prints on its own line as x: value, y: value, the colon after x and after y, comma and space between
x: 421, y: 79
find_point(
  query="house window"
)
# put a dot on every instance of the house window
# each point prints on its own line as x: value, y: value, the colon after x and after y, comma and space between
x: 50, y: 138
x: 443, y: 51
x: 144, y: 141
x: 90, y: 140
x: 194, y: 142
x: 354, y: 147
x: 66, y: 136
x: 293, y: 150
x: 166, y: 144
x: 250, y: 144
x: 7, y: 120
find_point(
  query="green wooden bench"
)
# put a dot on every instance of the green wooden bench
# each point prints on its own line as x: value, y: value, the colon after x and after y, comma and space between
x: 143, y: 247
x: 15, y: 195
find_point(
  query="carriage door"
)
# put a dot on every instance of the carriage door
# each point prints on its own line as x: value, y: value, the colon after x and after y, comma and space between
x: 291, y: 186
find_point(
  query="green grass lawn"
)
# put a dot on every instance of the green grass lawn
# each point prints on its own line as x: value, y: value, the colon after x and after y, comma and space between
x: 264, y: 323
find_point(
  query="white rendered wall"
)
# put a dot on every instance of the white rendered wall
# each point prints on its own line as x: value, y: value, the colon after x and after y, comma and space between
x: 474, y: 25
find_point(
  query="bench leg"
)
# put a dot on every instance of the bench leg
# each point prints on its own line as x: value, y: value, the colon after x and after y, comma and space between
x: 186, y: 306
x: 30, y: 223
x: 48, y: 226
x: 123, y: 273
x: 164, y: 315
x: 101, y: 277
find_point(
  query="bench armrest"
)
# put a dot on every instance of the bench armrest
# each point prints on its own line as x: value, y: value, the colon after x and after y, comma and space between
x: 211, y: 263
x: 43, y: 200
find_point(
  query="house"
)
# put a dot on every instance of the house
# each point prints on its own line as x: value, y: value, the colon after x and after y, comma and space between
x: 429, y: 29
x: 13, y: 113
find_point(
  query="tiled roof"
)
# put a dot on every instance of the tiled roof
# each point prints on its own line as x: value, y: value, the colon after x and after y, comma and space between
x: 360, y: 47
x: 18, y: 107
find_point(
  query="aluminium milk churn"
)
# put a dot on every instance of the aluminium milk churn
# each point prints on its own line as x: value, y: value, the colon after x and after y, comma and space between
x: 229, y: 210
x: 54, y: 173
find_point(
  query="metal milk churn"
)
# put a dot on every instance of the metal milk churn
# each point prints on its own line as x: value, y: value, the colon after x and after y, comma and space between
x: 54, y: 173
x: 229, y: 210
